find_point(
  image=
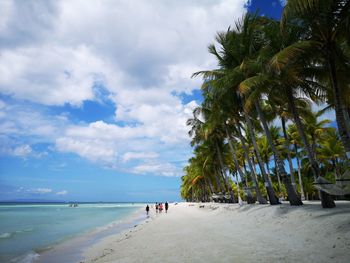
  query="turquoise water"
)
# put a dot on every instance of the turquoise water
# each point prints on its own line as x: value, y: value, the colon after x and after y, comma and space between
x: 27, y: 228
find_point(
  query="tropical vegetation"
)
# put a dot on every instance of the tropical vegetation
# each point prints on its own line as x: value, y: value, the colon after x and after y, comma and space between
x: 257, y: 134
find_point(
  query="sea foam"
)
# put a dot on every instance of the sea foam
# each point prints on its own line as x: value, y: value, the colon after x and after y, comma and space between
x: 5, y: 235
x: 29, y: 257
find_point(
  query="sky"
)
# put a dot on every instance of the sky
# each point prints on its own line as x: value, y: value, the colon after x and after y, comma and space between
x: 94, y: 95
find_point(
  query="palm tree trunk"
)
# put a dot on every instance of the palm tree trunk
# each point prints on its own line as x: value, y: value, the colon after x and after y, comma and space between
x: 233, y: 151
x: 204, y: 193
x: 271, y: 193
x: 299, y: 171
x: 225, y: 186
x: 260, y: 198
x: 254, y: 163
x: 229, y: 188
x: 218, y: 183
x: 347, y: 119
x: 268, y: 170
x: 246, y: 172
x: 293, y: 198
x: 326, y: 200
x: 238, y: 192
x: 286, y: 138
x: 278, y: 179
x: 334, y: 169
x: 339, y: 106
x: 207, y: 181
x: 250, y: 198
x: 313, y: 148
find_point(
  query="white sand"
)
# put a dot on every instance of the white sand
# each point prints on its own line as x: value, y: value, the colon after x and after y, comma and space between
x: 230, y: 233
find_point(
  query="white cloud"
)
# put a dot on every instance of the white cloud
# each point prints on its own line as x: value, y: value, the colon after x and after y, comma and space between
x: 11, y: 147
x: 61, y: 54
x: 128, y: 156
x: 24, y: 120
x: 64, y: 192
x: 22, y: 126
x: 22, y: 150
x: 60, y: 75
x: 2, y: 108
x: 162, y: 169
x: 141, y: 52
x: 92, y: 149
x: 2, y: 104
x: 39, y: 191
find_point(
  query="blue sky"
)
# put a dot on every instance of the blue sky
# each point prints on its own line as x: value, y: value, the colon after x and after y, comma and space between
x: 93, y: 104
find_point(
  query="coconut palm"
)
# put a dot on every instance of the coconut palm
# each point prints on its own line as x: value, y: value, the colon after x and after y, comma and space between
x: 204, y: 148
x: 324, y: 25
x: 280, y: 106
x: 331, y: 151
x: 265, y: 152
x: 286, y: 82
x: 220, y: 81
x: 251, y: 64
x: 210, y: 132
x: 295, y: 141
x: 259, y: 66
x: 315, y: 128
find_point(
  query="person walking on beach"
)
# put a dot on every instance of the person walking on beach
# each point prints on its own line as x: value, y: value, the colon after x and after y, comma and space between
x: 147, y: 209
x: 157, y: 207
x: 160, y: 207
x: 166, y: 207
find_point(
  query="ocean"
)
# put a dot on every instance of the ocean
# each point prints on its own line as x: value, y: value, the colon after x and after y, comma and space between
x: 26, y: 230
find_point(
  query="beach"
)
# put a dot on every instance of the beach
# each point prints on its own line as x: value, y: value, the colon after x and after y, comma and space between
x: 213, y: 232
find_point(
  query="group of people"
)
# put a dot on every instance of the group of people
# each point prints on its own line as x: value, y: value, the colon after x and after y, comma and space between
x: 159, y: 207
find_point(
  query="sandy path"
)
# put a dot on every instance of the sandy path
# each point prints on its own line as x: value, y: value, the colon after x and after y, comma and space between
x: 229, y: 233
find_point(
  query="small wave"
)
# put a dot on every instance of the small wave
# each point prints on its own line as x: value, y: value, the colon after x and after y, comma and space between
x: 29, y: 257
x: 24, y: 230
x: 5, y: 235
x: 9, y: 235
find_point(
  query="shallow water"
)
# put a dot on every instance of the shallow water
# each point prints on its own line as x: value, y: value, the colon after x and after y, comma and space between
x: 26, y: 229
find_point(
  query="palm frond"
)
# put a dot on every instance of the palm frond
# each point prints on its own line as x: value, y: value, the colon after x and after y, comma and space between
x: 294, y: 53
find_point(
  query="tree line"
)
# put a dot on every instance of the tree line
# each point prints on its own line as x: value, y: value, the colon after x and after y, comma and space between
x: 256, y: 134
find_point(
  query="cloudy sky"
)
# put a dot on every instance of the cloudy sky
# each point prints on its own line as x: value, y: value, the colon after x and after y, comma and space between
x: 94, y: 95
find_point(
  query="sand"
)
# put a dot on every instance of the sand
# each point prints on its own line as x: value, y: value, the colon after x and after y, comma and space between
x: 190, y: 232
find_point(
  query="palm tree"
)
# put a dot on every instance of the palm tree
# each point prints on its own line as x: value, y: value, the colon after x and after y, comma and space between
x: 272, y: 198
x: 280, y: 106
x: 331, y: 151
x: 295, y: 140
x: 325, y: 41
x: 210, y: 132
x: 258, y: 63
x: 288, y: 81
x: 251, y: 66
x: 219, y: 82
x: 204, y: 147
x: 294, y: 199
x: 236, y: 163
x: 314, y: 128
x: 265, y: 152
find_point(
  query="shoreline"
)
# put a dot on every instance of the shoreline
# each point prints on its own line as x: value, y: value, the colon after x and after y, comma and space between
x: 213, y: 232
x: 70, y: 249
